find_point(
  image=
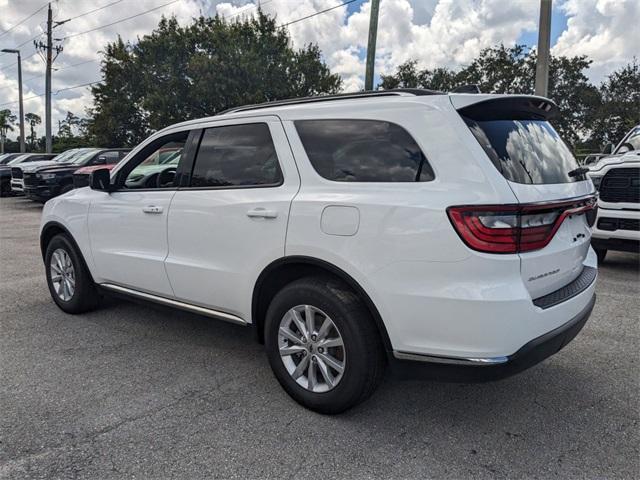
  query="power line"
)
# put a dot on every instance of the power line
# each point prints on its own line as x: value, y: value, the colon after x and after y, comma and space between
x: 15, y: 63
x: 317, y: 13
x: 54, y: 93
x: 23, y: 20
x: 92, y: 11
x: 121, y: 20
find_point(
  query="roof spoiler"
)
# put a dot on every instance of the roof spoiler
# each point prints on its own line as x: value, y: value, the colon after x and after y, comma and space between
x: 509, y: 107
x: 469, y: 88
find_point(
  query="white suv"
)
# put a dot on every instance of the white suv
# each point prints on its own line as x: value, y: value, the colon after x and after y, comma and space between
x: 448, y: 232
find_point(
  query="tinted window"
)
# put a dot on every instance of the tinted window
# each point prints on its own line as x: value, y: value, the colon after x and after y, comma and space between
x: 147, y: 172
x: 525, y: 151
x: 236, y: 155
x: 363, y: 151
x: 110, y: 157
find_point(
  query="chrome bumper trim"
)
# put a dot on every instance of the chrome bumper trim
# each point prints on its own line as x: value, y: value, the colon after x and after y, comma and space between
x: 416, y: 357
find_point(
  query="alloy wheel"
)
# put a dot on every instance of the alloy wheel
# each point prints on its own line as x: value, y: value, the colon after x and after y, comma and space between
x: 311, y: 348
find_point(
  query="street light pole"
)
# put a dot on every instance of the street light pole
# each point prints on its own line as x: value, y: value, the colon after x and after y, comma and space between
x: 544, y: 43
x: 371, y: 44
x: 8, y: 50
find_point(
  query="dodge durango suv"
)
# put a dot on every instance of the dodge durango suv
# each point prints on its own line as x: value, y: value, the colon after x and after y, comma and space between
x: 441, y: 235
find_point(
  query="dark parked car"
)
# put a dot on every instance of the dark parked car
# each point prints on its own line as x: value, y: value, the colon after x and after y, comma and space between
x: 47, y: 181
x: 9, y: 160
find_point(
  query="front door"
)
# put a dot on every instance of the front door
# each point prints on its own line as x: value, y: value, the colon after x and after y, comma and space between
x: 128, y: 227
x: 230, y: 220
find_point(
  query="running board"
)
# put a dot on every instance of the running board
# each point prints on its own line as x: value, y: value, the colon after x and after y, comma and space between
x: 227, y: 317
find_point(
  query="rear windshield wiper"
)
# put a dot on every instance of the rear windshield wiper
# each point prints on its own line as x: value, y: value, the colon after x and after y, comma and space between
x: 577, y: 172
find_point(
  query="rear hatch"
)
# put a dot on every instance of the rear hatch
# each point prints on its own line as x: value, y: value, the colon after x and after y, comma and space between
x: 556, y: 199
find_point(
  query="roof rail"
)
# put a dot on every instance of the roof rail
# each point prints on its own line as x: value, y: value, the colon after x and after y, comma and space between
x: 338, y: 96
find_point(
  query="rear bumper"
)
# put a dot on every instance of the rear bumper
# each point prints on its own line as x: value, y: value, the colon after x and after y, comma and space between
x: 482, y: 370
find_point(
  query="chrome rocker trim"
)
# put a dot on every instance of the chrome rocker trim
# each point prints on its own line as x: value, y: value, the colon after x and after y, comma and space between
x: 209, y: 312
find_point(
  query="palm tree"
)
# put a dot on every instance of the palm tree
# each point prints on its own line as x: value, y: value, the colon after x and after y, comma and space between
x: 33, y: 120
x: 6, y: 121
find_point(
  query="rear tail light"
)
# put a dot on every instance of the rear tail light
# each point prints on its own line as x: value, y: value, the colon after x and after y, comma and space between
x: 514, y: 228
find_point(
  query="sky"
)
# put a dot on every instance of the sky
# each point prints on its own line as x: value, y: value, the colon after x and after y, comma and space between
x: 433, y: 32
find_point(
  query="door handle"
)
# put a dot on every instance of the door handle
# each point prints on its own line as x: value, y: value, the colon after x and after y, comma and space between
x: 262, y: 213
x: 152, y: 209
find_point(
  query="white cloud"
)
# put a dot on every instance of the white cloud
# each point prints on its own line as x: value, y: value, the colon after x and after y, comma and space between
x: 434, y: 32
x: 607, y: 31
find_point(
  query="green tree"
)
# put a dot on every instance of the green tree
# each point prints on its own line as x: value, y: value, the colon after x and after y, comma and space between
x: 619, y: 109
x: 183, y: 72
x: 7, y: 119
x: 503, y: 69
x: 117, y: 118
x: 33, y: 120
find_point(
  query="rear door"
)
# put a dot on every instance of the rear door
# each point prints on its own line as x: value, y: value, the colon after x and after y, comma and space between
x: 518, y: 138
x: 228, y: 220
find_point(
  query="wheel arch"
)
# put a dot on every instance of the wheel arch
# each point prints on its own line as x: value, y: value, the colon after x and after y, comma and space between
x: 53, y: 228
x: 287, y: 269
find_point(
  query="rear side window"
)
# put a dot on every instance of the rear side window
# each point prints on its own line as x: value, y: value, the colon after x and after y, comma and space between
x: 111, y: 157
x: 236, y: 156
x: 525, y: 151
x: 363, y: 151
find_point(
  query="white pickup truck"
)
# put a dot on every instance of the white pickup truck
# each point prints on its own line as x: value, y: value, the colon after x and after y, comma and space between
x: 617, y: 179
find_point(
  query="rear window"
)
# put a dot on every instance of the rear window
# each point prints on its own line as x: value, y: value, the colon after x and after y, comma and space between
x: 525, y: 151
x: 363, y: 151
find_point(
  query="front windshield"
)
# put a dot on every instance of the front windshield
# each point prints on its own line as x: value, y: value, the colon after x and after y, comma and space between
x: 8, y: 157
x: 83, y: 156
x: 65, y: 156
x: 18, y: 159
x: 633, y: 140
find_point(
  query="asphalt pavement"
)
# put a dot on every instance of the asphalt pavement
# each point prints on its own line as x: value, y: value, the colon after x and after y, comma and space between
x: 133, y: 390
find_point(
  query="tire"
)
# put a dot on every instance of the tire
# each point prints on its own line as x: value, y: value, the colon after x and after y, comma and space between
x: 362, y: 351
x: 84, y: 296
x: 601, y: 253
x: 5, y: 189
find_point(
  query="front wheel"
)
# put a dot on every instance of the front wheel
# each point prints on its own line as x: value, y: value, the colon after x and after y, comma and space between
x: 68, y: 278
x: 322, y: 344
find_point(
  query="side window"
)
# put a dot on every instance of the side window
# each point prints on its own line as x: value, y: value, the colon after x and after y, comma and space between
x: 236, y: 155
x: 110, y: 157
x: 155, y: 166
x: 363, y: 151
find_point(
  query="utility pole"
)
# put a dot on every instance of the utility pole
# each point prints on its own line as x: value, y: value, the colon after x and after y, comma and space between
x: 49, y: 49
x: 11, y: 50
x: 371, y: 45
x: 544, y: 44
x: 47, y: 114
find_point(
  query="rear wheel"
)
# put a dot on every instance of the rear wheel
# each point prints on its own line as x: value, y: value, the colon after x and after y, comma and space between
x: 601, y: 253
x: 322, y: 344
x: 68, y: 279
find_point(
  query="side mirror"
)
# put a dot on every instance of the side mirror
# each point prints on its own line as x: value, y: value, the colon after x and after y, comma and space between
x: 608, y: 148
x: 100, y: 179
